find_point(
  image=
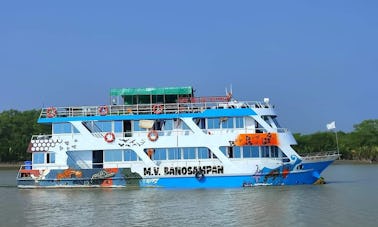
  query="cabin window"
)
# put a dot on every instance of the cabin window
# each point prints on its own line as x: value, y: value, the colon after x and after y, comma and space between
x: 38, y: 158
x: 237, y: 153
x: 168, y: 124
x: 60, y: 128
x: 227, y: 122
x: 213, y: 123
x: 189, y: 152
x: 174, y: 153
x: 239, y: 122
x: 200, y: 122
x: 276, y: 122
x: 104, y: 126
x: 129, y: 155
x: 250, y: 152
x: 274, y: 152
x: 204, y: 153
x: 50, y: 157
x: 118, y: 126
x: 231, y: 152
x: 224, y: 150
x: 265, y: 152
x: 159, y: 154
x: 158, y: 125
x: 113, y: 155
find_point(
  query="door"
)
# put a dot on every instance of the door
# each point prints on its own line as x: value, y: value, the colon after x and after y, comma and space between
x: 127, y: 128
x: 97, y: 159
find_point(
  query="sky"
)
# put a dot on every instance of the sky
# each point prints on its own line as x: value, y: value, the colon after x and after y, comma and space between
x: 316, y: 60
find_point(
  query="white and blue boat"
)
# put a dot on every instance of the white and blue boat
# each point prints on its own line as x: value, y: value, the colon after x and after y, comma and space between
x: 167, y: 137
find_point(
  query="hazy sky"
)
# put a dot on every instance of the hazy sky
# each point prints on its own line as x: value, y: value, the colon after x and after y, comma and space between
x: 317, y: 61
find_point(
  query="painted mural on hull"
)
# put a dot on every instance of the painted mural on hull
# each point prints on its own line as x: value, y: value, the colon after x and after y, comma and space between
x: 124, y: 177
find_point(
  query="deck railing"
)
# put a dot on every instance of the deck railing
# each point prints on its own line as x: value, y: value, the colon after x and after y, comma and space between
x: 154, y: 108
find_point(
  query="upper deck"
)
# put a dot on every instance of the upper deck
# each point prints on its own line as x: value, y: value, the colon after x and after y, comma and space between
x: 152, y: 101
x: 139, y: 109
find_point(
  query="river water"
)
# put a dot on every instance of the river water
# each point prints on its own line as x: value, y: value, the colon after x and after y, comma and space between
x: 350, y: 198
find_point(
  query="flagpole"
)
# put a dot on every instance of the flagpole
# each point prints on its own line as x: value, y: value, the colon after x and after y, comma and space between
x: 337, y: 144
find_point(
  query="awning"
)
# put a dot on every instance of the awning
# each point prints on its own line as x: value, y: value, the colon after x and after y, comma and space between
x: 152, y: 91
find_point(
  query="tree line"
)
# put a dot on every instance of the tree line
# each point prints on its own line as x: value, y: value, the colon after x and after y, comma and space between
x: 17, y: 127
x: 360, y: 144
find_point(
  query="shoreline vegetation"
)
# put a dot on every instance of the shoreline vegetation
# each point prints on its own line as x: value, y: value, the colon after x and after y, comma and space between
x: 360, y: 145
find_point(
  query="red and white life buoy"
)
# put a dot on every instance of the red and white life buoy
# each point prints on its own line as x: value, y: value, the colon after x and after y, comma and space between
x: 109, y: 137
x: 157, y: 109
x: 153, y: 135
x: 51, y: 112
x: 103, y: 110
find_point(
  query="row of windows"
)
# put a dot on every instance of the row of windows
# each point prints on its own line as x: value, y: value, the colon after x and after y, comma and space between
x: 168, y: 124
x: 120, y: 155
x: 195, y: 153
x: 174, y: 154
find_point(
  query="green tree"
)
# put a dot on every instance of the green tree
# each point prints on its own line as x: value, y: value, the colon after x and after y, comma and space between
x: 16, y: 129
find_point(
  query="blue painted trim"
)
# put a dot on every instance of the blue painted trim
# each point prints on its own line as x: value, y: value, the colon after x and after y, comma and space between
x: 206, y: 114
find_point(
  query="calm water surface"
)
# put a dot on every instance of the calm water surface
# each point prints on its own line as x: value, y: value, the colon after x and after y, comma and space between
x: 349, y: 199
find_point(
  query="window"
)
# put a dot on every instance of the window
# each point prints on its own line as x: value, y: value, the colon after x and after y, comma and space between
x: 250, y: 152
x: 129, y: 155
x: 117, y: 126
x: 237, y: 153
x: 189, y: 152
x: 204, y: 153
x: 60, y: 128
x: 113, y: 155
x: 265, y: 152
x: 201, y: 122
x: 224, y: 150
x: 174, y: 153
x: 104, y: 126
x: 276, y: 122
x: 227, y: 122
x: 38, y: 158
x: 231, y: 152
x: 50, y: 157
x: 274, y: 151
x: 168, y: 124
x: 213, y: 123
x: 239, y: 122
x: 136, y: 126
x: 159, y: 154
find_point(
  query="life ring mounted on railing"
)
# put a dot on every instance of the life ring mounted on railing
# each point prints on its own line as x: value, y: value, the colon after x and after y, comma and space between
x: 51, y: 112
x: 153, y: 135
x: 157, y: 109
x: 103, y: 110
x: 109, y: 137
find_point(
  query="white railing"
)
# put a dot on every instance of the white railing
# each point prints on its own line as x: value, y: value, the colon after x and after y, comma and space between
x: 153, y: 108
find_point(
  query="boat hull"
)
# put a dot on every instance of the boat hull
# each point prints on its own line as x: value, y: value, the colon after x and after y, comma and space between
x: 308, y: 173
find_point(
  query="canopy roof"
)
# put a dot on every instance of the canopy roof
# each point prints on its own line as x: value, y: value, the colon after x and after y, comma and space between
x: 152, y: 91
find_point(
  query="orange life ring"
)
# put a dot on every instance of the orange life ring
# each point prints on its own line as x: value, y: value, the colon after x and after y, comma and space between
x: 109, y: 137
x: 157, y: 109
x: 51, y: 112
x: 153, y: 135
x: 103, y: 110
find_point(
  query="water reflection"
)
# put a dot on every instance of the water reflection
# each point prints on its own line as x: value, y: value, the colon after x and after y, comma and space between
x: 350, y: 202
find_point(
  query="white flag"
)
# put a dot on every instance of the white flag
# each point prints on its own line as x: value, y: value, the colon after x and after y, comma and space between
x: 331, y: 125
